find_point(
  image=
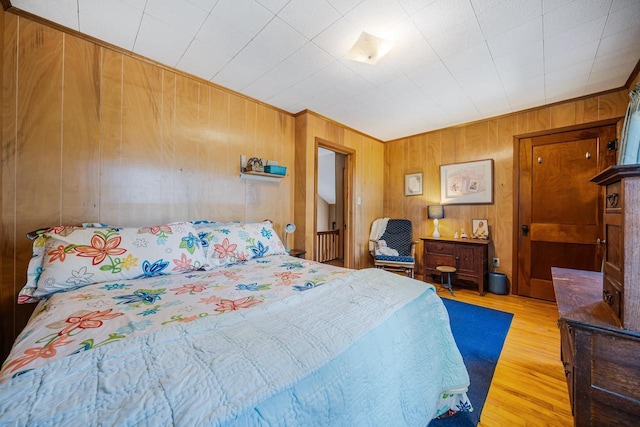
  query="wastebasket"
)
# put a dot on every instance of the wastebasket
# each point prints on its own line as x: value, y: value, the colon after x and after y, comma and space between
x: 498, y: 283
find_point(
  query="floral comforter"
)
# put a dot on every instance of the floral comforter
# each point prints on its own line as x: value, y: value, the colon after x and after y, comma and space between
x: 100, y: 314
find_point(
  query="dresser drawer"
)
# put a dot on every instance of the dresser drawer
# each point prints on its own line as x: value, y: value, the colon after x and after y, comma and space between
x: 432, y: 261
x: 612, y: 296
x: 439, y: 248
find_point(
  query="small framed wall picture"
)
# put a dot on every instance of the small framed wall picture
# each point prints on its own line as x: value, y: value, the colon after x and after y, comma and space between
x: 413, y: 184
x: 480, y: 229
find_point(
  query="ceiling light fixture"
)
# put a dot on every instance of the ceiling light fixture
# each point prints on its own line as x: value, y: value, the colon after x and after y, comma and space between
x: 369, y: 49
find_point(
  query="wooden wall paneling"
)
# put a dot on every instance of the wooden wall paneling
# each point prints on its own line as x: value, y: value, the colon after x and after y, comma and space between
x: 168, y: 164
x: 38, y: 143
x: 394, y: 178
x: 141, y: 143
x: 285, y: 153
x: 587, y: 110
x: 9, y: 132
x: 563, y: 115
x: 187, y: 147
x: 111, y: 186
x: 265, y: 126
x: 80, y: 187
x: 300, y: 179
x: 504, y: 182
x: 238, y: 145
x: 613, y: 104
x: 223, y: 169
x: 539, y: 119
x: 203, y: 198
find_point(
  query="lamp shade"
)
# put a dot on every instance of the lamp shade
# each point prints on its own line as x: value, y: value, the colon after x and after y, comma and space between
x: 435, y: 212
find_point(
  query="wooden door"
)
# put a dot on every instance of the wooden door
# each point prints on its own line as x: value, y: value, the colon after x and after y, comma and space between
x: 560, y: 211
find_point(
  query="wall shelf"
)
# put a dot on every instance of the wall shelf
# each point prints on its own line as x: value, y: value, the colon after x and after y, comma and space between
x: 261, y: 176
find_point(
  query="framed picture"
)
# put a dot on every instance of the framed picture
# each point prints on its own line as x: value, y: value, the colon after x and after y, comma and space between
x: 480, y: 228
x: 467, y: 183
x: 413, y: 184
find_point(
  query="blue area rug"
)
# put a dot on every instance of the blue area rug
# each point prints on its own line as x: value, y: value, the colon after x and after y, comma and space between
x: 480, y: 333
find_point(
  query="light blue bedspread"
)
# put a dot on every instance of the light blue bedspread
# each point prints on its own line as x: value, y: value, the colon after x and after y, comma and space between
x: 370, y: 348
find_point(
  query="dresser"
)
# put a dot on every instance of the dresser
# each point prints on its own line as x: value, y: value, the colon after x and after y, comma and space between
x: 621, y: 242
x: 600, y: 358
x: 469, y: 256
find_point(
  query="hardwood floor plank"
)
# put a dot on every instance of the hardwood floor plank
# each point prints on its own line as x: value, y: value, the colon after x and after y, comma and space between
x: 528, y: 386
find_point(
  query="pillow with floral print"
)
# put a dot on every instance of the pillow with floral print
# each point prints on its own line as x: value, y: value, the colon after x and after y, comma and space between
x: 75, y: 257
x: 229, y: 243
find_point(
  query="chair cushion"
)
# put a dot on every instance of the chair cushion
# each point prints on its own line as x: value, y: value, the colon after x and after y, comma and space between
x: 394, y: 258
x: 398, y: 236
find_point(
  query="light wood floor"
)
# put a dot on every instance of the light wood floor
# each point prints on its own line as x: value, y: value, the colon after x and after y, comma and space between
x: 529, y: 386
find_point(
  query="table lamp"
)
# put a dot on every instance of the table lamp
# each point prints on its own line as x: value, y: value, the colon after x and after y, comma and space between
x: 435, y: 212
x: 288, y: 229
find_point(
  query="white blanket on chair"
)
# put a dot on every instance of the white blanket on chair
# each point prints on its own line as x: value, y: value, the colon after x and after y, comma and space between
x: 378, y: 228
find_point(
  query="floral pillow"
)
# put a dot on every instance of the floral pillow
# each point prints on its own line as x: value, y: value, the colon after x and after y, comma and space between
x: 35, y: 267
x: 75, y: 257
x: 229, y: 243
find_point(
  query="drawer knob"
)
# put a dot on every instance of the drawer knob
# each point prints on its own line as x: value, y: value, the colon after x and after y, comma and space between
x: 607, y: 297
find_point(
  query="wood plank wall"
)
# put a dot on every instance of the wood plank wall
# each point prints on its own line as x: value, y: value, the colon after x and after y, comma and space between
x: 368, y: 181
x: 91, y: 134
x: 488, y: 139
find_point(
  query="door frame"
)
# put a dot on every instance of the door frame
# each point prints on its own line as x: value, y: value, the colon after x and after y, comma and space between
x: 516, y: 183
x: 349, y: 208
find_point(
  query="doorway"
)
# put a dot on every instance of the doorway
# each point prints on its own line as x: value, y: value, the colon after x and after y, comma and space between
x: 333, y: 204
x: 559, y: 211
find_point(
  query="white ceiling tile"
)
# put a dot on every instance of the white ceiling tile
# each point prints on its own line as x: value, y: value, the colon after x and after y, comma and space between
x: 623, y: 56
x: 116, y: 22
x: 603, y: 85
x: 507, y: 16
x: 206, y: 5
x: 456, y: 39
x: 551, y: 5
x: 513, y: 40
x: 446, y: 93
x: 274, y: 43
x: 344, y: 6
x: 563, y: 91
x: 624, y: 18
x: 273, y: 5
x: 518, y: 61
x: 64, y: 12
x: 292, y: 70
x: 376, y: 16
x: 468, y: 59
x: 614, y: 42
x: 413, y: 6
x: 410, y: 49
x: 442, y: 15
x: 579, y: 55
x: 137, y: 4
x: 518, y: 80
x: 430, y: 73
x: 482, y: 5
x: 573, y: 14
x: 398, y: 86
x: 309, y: 17
x: 202, y: 60
x: 575, y: 37
x: 575, y: 73
x: 618, y: 72
x: 233, y: 23
x: 338, y: 39
x: 183, y: 16
x: 515, y: 87
x: 160, y: 41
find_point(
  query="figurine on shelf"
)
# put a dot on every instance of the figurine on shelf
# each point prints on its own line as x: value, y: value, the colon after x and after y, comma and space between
x: 455, y: 235
x: 463, y: 235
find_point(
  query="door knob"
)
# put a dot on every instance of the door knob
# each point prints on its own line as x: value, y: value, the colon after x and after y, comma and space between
x: 525, y: 230
x: 600, y: 242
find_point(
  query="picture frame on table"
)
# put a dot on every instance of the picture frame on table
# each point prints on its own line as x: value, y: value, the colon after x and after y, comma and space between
x: 480, y: 229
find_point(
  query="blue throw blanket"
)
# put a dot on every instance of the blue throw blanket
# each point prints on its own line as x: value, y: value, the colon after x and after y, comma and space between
x: 370, y: 348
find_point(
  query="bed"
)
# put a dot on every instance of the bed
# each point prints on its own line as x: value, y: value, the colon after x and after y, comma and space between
x: 214, y: 324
